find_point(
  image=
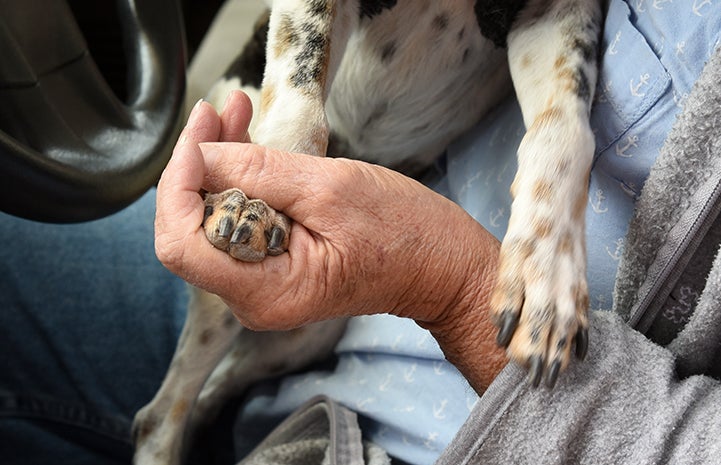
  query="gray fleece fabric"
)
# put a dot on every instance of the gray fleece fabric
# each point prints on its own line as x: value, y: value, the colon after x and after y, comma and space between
x: 320, y: 432
x: 681, y: 191
x: 633, y: 401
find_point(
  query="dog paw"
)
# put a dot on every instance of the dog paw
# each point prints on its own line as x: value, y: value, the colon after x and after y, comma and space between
x: 247, y: 229
x: 540, y: 302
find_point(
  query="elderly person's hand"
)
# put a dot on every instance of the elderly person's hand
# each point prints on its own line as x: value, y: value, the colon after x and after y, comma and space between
x: 364, y: 240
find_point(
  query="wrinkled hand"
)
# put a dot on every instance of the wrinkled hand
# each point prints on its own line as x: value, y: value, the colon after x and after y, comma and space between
x: 364, y: 240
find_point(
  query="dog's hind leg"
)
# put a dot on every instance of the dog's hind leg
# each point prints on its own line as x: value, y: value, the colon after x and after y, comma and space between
x: 160, y: 427
x: 216, y: 359
x: 541, y: 299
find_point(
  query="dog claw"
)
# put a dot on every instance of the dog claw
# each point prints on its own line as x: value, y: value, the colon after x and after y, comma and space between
x: 225, y: 227
x: 241, y: 235
x: 582, y: 343
x: 276, y: 240
x: 206, y: 214
x: 552, y: 375
x: 509, y: 321
x: 535, y: 373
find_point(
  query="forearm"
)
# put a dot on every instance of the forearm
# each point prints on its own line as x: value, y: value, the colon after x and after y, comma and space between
x: 460, y: 322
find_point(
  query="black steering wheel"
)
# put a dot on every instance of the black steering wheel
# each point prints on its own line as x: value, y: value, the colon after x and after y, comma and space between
x: 70, y: 149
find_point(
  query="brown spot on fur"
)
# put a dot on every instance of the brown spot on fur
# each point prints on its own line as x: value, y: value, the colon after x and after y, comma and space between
x: 143, y: 429
x: 267, y: 97
x: 542, y: 227
x: 526, y: 61
x: 523, y: 248
x: 568, y: 79
x: 317, y: 143
x: 205, y: 336
x: 229, y: 320
x: 542, y: 191
x: 565, y: 246
x: 546, y: 118
x: 287, y: 36
x: 560, y: 62
x: 563, y: 166
x: 582, y: 301
x: 180, y: 408
x: 507, y: 294
x: 579, y: 206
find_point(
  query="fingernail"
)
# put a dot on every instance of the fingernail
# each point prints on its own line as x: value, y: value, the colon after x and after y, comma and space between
x: 227, y: 99
x: 193, y: 112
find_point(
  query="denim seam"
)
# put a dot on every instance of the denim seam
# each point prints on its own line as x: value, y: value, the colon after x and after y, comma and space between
x: 63, y: 412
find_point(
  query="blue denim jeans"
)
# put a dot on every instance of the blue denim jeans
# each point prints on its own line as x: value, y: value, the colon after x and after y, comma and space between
x: 88, y: 324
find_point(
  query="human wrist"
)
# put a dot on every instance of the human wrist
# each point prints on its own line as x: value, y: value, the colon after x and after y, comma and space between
x: 462, y: 324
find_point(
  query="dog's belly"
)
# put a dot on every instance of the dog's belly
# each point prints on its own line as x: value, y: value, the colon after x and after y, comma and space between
x: 410, y: 81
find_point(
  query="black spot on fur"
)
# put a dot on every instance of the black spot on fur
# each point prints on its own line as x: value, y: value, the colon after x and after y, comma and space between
x: 440, y: 22
x: 251, y: 217
x: 371, y: 8
x: 338, y: 146
x: 388, y: 51
x: 586, y: 48
x: 583, y: 89
x: 250, y: 64
x: 535, y: 335
x: 495, y: 18
x: 318, y: 7
x: 229, y: 207
x: 310, y: 59
x: 378, y: 112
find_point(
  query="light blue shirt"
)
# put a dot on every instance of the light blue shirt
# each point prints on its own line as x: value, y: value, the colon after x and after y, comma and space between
x: 412, y: 402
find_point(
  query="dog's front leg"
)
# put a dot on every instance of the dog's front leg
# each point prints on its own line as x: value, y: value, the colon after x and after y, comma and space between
x: 541, y: 300
x: 306, y: 40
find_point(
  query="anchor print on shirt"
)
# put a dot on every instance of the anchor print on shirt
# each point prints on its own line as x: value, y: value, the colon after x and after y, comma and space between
x: 385, y: 383
x: 636, y: 87
x: 597, y: 200
x: 618, y: 250
x: 623, y: 147
x: 612, y: 47
x: 409, y: 373
x: 698, y: 5
x: 494, y: 217
x: 660, y: 4
x: 439, y: 410
x: 430, y: 441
